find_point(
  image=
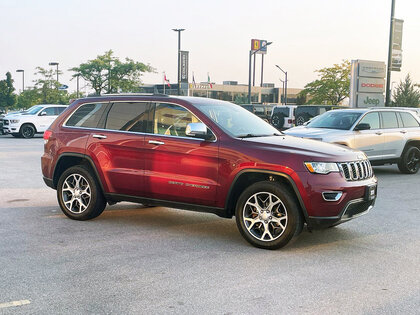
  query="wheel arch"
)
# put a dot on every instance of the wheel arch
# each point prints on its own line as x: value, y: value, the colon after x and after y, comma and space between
x: 250, y: 176
x: 28, y: 123
x: 67, y: 160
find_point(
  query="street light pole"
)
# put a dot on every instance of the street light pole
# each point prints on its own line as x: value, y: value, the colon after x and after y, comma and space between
x: 54, y: 64
x: 179, y: 30
x: 388, y: 72
x: 282, y: 81
x: 23, y: 78
x: 285, y: 84
x: 252, y: 52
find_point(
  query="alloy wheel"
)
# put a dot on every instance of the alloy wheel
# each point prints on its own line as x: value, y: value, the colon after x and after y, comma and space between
x: 265, y: 216
x: 413, y: 161
x: 28, y: 132
x: 76, y: 193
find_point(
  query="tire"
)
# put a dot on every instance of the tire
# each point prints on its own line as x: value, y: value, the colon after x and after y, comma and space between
x: 300, y: 120
x: 409, y: 162
x: 277, y: 121
x: 27, y: 131
x: 274, y: 221
x: 85, y: 206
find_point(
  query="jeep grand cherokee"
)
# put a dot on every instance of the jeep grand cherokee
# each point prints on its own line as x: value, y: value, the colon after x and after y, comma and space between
x: 204, y: 155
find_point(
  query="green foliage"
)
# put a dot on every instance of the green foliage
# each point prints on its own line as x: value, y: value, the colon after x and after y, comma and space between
x: 301, y: 99
x: 28, y: 98
x: 108, y: 74
x: 7, y: 95
x: 332, y: 87
x: 406, y: 95
x: 48, y: 86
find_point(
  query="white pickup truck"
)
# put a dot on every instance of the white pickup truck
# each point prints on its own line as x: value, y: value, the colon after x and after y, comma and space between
x: 385, y: 135
x: 34, y: 120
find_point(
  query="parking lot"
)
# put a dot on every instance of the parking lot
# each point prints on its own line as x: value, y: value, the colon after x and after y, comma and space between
x: 134, y: 259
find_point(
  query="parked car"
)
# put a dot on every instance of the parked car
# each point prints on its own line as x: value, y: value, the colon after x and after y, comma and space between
x: 34, y: 120
x: 205, y: 155
x: 262, y: 111
x: 283, y: 116
x: 387, y: 136
x: 304, y: 113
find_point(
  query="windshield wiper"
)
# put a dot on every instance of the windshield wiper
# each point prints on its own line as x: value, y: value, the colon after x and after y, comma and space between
x: 251, y: 135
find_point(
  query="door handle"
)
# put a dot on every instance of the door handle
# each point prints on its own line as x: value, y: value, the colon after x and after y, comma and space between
x: 156, y: 142
x: 403, y: 131
x: 99, y: 136
x: 378, y: 133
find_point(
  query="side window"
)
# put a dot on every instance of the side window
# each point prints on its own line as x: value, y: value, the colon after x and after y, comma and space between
x: 49, y: 111
x: 408, y: 120
x: 87, y: 115
x: 128, y: 116
x: 170, y: 119
x: 389, y: 120
x: 372, y: 119
x: 59, y: 110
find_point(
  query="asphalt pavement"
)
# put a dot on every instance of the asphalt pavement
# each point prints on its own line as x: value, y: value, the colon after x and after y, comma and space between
x: 138, y: 260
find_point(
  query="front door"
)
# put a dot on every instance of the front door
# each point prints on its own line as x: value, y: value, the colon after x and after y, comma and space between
x: 179, y: 168
x: 370, y: 141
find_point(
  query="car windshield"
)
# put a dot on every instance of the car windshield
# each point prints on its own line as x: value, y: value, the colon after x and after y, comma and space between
x: 335, y: 120
x: 236, y: 121
x: 33, y: 110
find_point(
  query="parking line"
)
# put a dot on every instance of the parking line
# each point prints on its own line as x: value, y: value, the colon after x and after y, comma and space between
x: 14, y: 303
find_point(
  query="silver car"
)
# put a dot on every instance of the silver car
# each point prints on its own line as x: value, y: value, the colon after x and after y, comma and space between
x: 386, y: 136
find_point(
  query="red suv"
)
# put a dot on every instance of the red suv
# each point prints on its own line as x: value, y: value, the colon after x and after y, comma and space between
x: 204, y: 155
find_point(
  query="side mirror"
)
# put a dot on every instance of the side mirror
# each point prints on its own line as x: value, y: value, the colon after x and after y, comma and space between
x: 362, y: 126
x: 43, y: 113
x: 197, y: 130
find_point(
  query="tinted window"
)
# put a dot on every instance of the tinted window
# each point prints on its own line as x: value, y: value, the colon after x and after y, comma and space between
x: 128, y: 117
x: 389, y: 120
x: 170, y: 119
x: 87, y: 115
x: 409, y: 120
x: 59, y: 110
x: 49, y: 111
x: 372, y: 119
x: 282, y: 111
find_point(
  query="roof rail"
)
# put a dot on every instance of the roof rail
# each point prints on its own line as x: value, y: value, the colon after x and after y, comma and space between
x: 134, y: 94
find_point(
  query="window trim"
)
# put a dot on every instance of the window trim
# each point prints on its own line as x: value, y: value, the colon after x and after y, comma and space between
x: 108, y: 103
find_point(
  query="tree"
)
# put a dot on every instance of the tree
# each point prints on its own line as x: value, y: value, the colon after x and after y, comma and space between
x: 47, y: 87
x: 332, y: 87
x: 406, y: 95
x: 28, y: 98
x: 108, y: 74
x: 7, y: 96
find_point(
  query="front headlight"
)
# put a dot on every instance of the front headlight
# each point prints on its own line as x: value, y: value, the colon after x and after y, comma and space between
x: 14, y: 121
x: 322, y: 167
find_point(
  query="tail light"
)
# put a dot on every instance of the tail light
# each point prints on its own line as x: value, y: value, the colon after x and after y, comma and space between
x: 47, y: 135
x: 290, y: 121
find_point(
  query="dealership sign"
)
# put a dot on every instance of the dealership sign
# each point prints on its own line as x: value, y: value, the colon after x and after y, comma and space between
x: 260, y: 45
x: 370, y: 99
x: 184, y: 66
x: 367, y: 84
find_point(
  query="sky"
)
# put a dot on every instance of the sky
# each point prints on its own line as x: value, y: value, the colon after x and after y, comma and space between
x: 306, y: 35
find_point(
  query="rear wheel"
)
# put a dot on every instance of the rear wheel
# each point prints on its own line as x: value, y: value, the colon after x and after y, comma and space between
x: 79, y: 194
x: 409, y: 162
x: 27, y: 131
x: 267, y: 215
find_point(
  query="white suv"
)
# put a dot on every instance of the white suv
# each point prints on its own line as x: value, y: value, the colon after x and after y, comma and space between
x: 35, y: 120
x: 283, y: 116
x: 386, y: 136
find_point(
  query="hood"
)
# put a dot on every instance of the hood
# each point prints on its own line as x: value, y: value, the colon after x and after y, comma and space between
x: 311, y: 150
x: 314, y: 133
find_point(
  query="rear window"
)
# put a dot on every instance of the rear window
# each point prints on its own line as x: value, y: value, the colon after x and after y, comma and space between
x: 87, y: 116
x: 389, y: 120
x: 128, y: 116
x: 282, y: 111
x: 409, y: 120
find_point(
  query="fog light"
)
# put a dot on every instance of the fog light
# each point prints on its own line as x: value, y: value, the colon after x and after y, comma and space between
x: 332, y: 195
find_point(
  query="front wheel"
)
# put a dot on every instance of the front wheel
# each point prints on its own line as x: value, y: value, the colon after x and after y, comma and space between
x: 409, y: 162
x: 79, y: 194
x: 27, y: 131
x: 267, y: 215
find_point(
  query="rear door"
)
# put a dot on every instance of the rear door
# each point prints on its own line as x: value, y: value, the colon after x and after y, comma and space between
x: 117, y: 147
x: 394, y: 138
x: 179, y: 168
x: 370, y: 141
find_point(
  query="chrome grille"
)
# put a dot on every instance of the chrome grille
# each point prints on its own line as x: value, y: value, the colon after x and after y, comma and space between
x: 357, y: 170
